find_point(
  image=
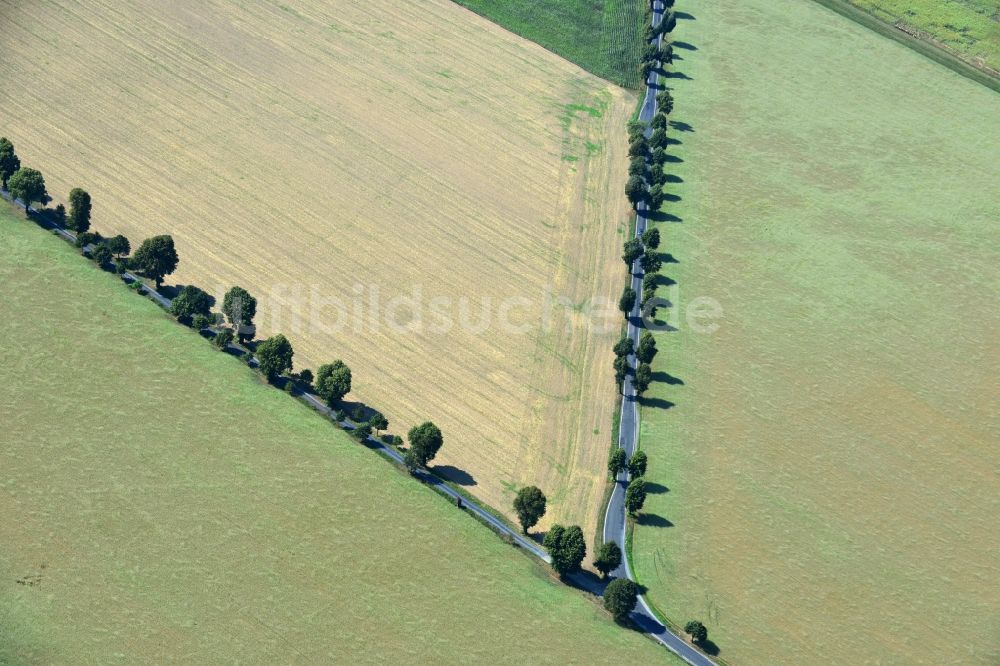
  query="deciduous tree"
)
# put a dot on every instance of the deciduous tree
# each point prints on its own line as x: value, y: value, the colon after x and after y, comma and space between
x: 119, y: 246
x: 646, y: 350
x: 101, y: 255
x: 627, y: 301
x: 333, y: 382
x: 239, y: 307
x: 275, y: 356
x: 223, y: 338
x: 621, y: 371
x: 617, y: 461
x: 79, y: 210
x: 529, y: 506
x: 643, y: 378
x: 425, y: 441
x: 567, y: 548
x: 620, y: 597
x: 659, y: 139
x: 637, y: 465
x: 28, y: 185
x: 665, y: 101
x: 608, y: 558
x: 651, y: 238
x: 156, y: 257
x: 631, y: 250
x: 635, y: 190
x: 697, y: 631
x: 635, y: 495
x: 624, y: 347
x: 189, y: 302
x: 638, y: 147
x: 9, y: 162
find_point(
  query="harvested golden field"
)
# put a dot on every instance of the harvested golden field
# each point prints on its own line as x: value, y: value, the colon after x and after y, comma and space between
x: 338, y: 159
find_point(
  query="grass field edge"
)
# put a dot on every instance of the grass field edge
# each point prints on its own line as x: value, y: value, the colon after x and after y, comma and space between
x: 939, y: 53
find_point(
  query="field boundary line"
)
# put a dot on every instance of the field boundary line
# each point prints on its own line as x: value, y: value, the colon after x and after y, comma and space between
x: 928, y: 47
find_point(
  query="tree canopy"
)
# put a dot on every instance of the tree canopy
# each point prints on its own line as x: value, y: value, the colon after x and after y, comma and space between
x: 9, y: 161
x: 624, y: 347
x: 635, y: 190
x: 156, y: 257
x: 617, y: 460
x: 651, y: 238
x: 275, y: 356
x: 119, y: 245
x: 79, y: 210
x: 566, y: 547
x: 239, y: 307
x: 637, y: 465
x: 647, y: 348
x: 635, y: 495
x: 425, y: 441
x: 189, y: 302
x: 529, y: 506
x: 608, y: 558
x: 631, y: 250
x: 697, y: 631
x: 333, y: 382
x: 620, y: 597
x: 627, y: 301
x: 643, y: 378
x: 28, y: 185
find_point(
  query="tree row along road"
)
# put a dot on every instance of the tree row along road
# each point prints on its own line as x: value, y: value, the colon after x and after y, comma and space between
x: 615, y: 517
x: 371, y: 442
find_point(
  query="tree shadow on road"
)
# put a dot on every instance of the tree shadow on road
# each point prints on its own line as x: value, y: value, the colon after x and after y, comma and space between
x: 588, y: 582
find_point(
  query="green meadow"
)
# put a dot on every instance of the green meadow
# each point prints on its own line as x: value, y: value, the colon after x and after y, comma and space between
x: 825, y: 463
x: 163, y: 505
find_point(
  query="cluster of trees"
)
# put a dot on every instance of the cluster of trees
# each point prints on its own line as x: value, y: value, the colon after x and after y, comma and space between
x: 644, y: 353
x: 635, y: 493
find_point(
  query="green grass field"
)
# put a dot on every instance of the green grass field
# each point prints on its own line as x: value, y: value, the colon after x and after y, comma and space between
x: 970, y: 27
x: 603, y: 37
x: 826, y: 462
x: 162, y: 505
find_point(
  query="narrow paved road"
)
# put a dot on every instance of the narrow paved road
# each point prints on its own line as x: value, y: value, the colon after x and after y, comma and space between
x: 628, y: 435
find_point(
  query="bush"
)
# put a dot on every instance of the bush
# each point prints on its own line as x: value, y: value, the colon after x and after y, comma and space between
x: 223, y: 338
x: 306, y: 377
x: 200, y: 321
x: 341, y: 416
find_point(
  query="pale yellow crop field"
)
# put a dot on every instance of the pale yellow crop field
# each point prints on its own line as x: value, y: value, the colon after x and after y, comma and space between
x: 318, y: 151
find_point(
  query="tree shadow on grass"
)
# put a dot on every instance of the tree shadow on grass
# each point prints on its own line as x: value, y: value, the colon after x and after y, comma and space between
x: 667, y: 378
x: 684, y: 45
x: 668, y: 258
x: 661, y: 216
x: 677, y: 75
x: 653, y: 520
x: 681, y: 127
x: 455, y: 475
x: 656, y: 489
x: 657, y: 403
x: 685, y: 16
